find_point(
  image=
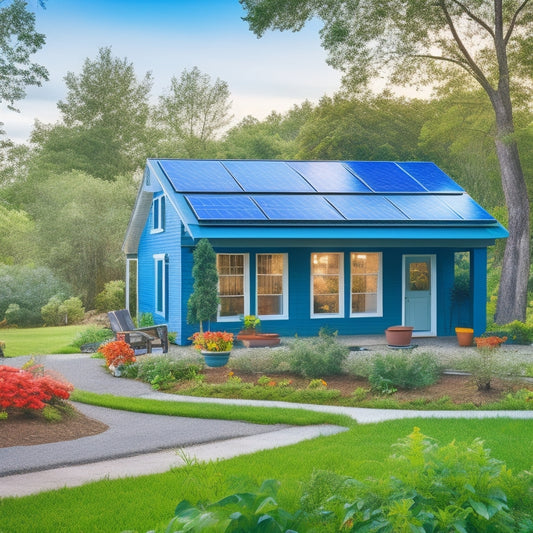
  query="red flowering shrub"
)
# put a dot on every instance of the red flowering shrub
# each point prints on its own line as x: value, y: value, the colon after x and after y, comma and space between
x: 489, y: 342
x: 24, y: 389
x: 117, y: 353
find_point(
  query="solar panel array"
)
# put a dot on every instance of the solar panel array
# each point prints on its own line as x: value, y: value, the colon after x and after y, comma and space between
x: 320, y: 192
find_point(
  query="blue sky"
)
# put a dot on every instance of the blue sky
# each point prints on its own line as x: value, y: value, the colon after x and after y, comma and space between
x: 168, y: 36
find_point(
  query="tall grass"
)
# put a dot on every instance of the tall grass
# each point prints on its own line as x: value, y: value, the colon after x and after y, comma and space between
x: 141, y: 504
x: 39, y: 341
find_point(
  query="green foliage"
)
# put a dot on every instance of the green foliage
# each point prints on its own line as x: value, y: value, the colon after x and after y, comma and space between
x: 403, y: 370
x: 161, y: 372
x: 19, y: 41
x: 91, y: 335
x: 145, y: 320
x: 317, y: 357
x: 203, y: 302
x: 516, y: 332
x: 61, y: 312
x: 484, y: 366
x: 113, y: 296
x: 16, y: 315
x: 15, y: 245
x: 29, y: 287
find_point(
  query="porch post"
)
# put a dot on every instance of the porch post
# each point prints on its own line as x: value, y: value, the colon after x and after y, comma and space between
x: 478, y: 289
x: 127, y: 283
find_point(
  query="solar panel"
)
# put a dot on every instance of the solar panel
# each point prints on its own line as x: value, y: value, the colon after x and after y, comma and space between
x: 297, y: 207
x: 329, y: 176
x: 224, y: 207
x: 198, y: 176
x: 384, y: 177
x: 467, y: 208
x: 365, y: 207
x: 267, y: 176
x: 423, y: 207
x: 431, y: 176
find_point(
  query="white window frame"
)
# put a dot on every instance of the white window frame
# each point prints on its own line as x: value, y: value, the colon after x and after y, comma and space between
x: 160, y: 259
x: 158, y: 222
x: 340, y: 314
x: 246, y: 284
x: 285, y: 288
x: 379, y: 293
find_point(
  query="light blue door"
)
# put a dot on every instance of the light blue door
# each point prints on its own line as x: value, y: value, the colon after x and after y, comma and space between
x: 418, y: 293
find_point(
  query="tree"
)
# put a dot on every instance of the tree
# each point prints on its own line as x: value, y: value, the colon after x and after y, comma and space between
x: 194, y: 110
x: 18, y: 42
x: 107, y: 101
x: 203, y: 302
x: 440, y: 42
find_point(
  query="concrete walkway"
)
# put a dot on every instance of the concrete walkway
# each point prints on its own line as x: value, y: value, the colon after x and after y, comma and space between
x: 137, y: 444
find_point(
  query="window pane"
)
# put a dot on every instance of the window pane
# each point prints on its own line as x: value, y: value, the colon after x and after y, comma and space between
x: 326, y: 285
x: 270, y: 284
x: 326, y: 304
x: 365, y: 282
x: 231, y: 306
x: 230, y: 270
x: 270, y: 305
x: 326, y: 270
x: 326, y: 264
x: 419, y: 276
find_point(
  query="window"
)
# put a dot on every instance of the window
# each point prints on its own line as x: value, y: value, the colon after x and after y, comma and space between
x: 233, y: 285
x: 326, y: 284
x: 161, y: 275
x: 366, y: 284
x: 272, y: 292
x: 158, y: 214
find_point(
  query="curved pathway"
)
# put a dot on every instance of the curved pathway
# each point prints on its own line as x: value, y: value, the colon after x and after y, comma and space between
x: 116, y: 452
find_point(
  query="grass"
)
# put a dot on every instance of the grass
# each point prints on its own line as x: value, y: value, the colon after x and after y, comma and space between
x: 257, y: 415
x: 39, y: 341
x: 141, y: 504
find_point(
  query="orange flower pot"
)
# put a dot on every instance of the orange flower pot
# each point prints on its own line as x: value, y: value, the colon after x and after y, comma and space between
x: 465, y: 336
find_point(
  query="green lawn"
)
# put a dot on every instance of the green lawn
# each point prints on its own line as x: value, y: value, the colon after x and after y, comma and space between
x: 141, y: 504
x: 38, y: 341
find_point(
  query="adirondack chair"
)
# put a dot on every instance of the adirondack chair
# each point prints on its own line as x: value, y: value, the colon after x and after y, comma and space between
x: 140, y: 339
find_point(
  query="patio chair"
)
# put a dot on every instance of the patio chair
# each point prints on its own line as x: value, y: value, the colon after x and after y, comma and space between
x: 142, y: 340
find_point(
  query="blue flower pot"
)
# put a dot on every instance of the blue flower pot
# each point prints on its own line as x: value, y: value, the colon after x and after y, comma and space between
x: 215, y: 359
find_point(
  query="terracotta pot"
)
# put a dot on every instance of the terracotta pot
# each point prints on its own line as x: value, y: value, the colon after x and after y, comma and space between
x: 399, y: 335
x: 465, y: 336
x: 258, y: 340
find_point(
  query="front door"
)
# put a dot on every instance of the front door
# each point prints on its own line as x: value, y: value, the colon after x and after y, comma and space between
x: 419, y: 293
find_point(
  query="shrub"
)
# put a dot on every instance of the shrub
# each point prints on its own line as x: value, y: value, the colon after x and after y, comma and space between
x: 93, y: 334
x: 117, y: 353
x: 112, y: 297
x: 319, y: 357
x: 60, y: 312
x: 24, y: 389
x: 16, y: 315
x: 404, y: 370
x: 162, y: 371
x: 516, y: 332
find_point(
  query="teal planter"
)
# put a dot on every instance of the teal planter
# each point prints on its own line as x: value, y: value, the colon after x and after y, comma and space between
x: 215, y: 359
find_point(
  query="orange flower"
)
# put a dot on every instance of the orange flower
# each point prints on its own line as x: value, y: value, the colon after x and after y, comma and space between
x: 213, y: 341
x: 117, y: 353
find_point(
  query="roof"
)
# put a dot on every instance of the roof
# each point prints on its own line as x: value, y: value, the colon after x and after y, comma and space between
x: 235, y: 199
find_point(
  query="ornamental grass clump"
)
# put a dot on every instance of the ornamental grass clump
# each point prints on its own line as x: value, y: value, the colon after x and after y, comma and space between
x: 30, y: 389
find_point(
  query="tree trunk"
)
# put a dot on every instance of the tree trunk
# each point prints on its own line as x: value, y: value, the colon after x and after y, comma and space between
x: 512, y: 295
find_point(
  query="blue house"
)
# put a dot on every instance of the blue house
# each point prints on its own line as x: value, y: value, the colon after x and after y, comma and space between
x: 352, y: 245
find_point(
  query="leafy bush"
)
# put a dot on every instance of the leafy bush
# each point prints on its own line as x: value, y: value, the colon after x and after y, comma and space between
x: 28, y: 287
x: 60, y: 312
x: 516, y: 332
x: 161, y: 372
x: 317, y: 357
x: 427, y: 488
x: 404, y: 370
x: 112, y: 297
x: 145, y: 320
x: 93, y: 334
x: 16, y: 315
x: 117, y: 353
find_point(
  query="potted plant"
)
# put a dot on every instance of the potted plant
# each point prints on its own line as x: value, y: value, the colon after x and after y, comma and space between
x: 117, y: 354
x: 215, y: 346
x: 252, y: 338
x: 489, y: 342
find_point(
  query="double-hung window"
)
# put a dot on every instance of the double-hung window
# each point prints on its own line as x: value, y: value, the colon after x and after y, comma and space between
x: 272, y: 286
x: 233, y: 286
x: 366, y: 294
x: 158, y: 214
x: 327, y: 285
